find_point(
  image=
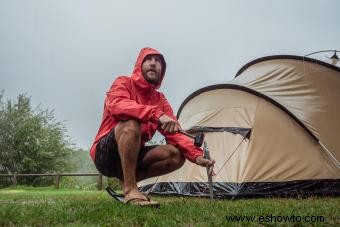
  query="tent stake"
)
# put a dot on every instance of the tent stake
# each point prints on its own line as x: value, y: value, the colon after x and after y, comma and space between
x: 207, y: 156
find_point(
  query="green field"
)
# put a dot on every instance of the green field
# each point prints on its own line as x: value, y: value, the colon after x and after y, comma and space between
x: 50, y: 207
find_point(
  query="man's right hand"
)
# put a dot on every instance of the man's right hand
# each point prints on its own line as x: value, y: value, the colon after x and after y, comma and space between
x: 168, y: 124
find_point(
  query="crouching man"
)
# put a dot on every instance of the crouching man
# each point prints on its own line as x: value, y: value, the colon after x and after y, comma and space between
x: 133, y: 111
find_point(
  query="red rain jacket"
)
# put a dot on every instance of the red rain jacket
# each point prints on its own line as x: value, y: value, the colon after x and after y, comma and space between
x: 134, y: 98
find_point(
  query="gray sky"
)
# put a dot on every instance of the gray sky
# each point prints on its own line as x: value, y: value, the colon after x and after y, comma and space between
x: 66, y: 53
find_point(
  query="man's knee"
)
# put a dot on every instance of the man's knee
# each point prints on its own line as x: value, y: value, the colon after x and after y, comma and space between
x: 130, y: 129
x: 176, y: 156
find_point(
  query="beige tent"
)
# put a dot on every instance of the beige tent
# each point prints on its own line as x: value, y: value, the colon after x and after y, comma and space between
x: 273, y: 130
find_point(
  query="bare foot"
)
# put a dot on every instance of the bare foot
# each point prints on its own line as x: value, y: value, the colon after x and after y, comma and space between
x: 134, y: 194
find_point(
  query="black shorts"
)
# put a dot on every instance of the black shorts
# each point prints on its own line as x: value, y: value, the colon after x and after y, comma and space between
x: 107, y: 159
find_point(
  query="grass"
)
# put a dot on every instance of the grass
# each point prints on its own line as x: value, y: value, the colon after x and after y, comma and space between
x: 50, y: 207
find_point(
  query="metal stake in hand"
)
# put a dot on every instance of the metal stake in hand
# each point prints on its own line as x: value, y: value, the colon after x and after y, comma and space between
x: 207, y: 156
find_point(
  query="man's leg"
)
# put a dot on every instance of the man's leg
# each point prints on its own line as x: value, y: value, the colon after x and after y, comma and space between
x: 128, y: 137
x: 161, y: 160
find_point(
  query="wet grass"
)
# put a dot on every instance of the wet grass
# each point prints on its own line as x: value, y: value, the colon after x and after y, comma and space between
x: 50, y: 207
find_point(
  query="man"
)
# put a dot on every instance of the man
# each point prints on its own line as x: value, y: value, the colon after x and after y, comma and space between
x: 133, y: 111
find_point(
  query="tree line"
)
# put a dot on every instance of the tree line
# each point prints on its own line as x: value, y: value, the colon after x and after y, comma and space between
x: 32, y: 140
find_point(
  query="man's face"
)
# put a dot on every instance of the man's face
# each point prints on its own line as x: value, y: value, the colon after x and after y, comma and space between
x: 152, y: 69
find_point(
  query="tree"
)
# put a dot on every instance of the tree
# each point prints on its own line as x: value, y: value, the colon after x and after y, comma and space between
x: 81, y: 161
x: 31, y: 140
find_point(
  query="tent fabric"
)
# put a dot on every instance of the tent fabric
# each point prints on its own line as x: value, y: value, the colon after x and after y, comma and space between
x: 308, y: 90
x: 245, y: 132
x: 247, y: 190
x: 290, y: 107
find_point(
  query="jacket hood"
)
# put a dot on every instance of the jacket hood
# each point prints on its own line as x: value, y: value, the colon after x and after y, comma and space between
x: 137, y: 75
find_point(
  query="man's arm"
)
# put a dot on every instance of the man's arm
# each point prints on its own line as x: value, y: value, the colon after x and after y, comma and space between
x: 119, y: 103
x: 169, y: 127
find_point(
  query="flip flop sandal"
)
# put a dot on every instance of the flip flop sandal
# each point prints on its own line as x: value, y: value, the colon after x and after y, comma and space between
x: 142, y: 202
x: 134, y: 201
x: 115, y: 195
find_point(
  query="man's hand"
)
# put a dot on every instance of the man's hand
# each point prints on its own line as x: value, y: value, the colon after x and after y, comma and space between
x: 200, y: 160
x: 168, y: 124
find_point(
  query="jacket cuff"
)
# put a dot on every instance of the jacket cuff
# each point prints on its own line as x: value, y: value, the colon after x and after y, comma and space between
x: 156, y: 116
x: 192, y: 158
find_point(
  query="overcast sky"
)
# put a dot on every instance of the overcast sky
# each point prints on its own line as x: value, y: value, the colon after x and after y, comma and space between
x: 66, y: 53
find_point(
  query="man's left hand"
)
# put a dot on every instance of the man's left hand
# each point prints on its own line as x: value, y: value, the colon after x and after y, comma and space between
x: 200, y: 160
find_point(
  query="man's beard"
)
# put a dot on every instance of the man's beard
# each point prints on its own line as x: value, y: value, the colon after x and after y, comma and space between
x: 152, y: 79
